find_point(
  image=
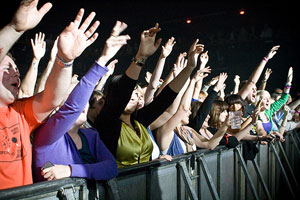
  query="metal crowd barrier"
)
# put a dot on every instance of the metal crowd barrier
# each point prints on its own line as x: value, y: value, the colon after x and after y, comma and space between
x: 205, y: 174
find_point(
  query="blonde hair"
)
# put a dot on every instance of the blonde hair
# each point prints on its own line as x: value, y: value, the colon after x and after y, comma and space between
x: 261, y: 93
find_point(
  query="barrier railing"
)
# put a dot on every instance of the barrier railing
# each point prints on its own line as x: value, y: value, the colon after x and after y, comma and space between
x: 205, y: 174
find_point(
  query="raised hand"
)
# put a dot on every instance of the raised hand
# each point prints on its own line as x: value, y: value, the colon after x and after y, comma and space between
x: 114, y: 43
x: 222, y: 78
x: 202, y: 73
x: 38, y: 46
x: 267, y: 74
x: 167, y: 49
x: 28, y: 16
x: 272, y: 52
x: 111, y: 67
x: 237, y: 79
x: 148, y: 45
x: 74, y: 39
x: 180, y: 64
x: 194, y: 52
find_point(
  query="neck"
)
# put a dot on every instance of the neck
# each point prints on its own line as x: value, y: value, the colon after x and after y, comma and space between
x: 74, y: 129
x: 126, y: 119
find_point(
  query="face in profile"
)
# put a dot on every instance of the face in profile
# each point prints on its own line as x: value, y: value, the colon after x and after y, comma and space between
x: 223, y: 116
x: 133, y: 102
x: 9, y: 81
x: 235, y: 107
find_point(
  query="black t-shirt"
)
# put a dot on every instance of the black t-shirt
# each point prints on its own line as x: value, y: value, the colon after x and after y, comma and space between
x: 228, y: 140
x: 249, y: 110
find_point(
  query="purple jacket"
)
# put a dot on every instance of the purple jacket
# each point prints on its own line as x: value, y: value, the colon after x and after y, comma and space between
x: 53, y: 143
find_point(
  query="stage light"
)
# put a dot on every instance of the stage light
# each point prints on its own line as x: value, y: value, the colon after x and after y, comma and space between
x: 188, y: 21
x: 242, y: 11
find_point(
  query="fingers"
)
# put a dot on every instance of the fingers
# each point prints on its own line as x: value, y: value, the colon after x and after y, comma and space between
x: 45, y: 8
x: 87, y: 21
x: 92, y: 29
x: 78, y: 18
x: 118, y: 28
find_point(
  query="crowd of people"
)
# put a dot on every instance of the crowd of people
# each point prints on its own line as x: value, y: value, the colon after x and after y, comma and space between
x: 56, y: 126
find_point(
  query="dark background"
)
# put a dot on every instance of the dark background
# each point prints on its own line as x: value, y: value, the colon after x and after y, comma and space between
x: 233, y: 40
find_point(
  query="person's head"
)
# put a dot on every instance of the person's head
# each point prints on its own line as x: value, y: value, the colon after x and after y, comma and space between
x: 202, y: 96
x: 265, y: 98
x: 276, y: 94
x: 9, y: 81
x: 218, y: 114
x: 252, y: 93
x: 96, y: 102
x: 141, y: 93
x: 235, y: 103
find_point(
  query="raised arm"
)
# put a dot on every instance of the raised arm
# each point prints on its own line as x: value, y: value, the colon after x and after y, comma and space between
x: 177, y: 68
x: 28, y: 83
x: 40, y: 85
x: 111, y: 68
x: 236, y: 84
x: 72, y: 42
x: 26, y: 17
x: 257, y: 72
x: 154, y: 81
x: 264, y: 81
x: 76, y: 102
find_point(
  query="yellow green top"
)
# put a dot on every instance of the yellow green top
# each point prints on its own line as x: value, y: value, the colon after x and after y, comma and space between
x: 133, y: 149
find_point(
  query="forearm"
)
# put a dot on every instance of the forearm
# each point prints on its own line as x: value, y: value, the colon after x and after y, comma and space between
x: 283, y: 123
x: 241, y: 134
x: 197, y: 89
x: 133, y: 71
x: 236, y: 88
x: 103, y: 170
x: 40, y: 86
x: 8, y: 36
x: 101, y: 83
x: 167, y: 80
x: 28, y: 83
x: 178, y: 82
x: 263, y: 85
x: 154, y: 81
x: 215, y: 140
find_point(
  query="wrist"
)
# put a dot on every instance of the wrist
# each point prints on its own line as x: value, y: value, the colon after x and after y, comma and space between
x: 139, y: 60
x: 61, y: 62
x: 266, y: 59
x: 102, y: 60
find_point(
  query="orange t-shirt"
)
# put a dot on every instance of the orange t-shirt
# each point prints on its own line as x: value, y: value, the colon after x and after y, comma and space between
x: 17, y: 121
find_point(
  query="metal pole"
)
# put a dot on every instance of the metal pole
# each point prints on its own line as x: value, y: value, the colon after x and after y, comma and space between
x: 288, y: 163
x: 187, y: 180
x: 246, y: 172
x: 257, y: 169
x: 282, y: 169
x: 210, y: 182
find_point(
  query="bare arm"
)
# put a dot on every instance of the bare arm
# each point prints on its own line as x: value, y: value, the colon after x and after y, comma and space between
x: 154, y: 81
x: 204, y: 59
x: 40, y: 85
x: 72, y: 42
x: 111, y: 68
x: 26, y: 17
x: 257, y: 72
x: 266, y: 78
x: 39, y: 48
x: 236, y: 84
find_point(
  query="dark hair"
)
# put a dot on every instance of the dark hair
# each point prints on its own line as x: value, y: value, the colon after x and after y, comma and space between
x: 235, y: 98
x: 215, y: 111
x: 194, y: 109
x: 93, y: 98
